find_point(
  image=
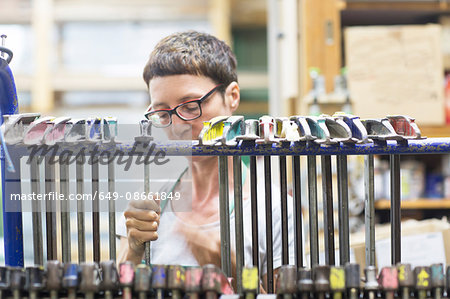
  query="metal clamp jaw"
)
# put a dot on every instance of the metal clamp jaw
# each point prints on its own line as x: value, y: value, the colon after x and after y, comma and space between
x: 286, y: 130
x: 251, y: 131
x: 35, y: 132
x: 319, y: 130
x: 14, y: 126
x: 215, y: 281
x: 405, y: 126
x: 212, y: 131
x: 75, y: 130
x: 94, y: 129
x: 57, y: 131
x: 380, y: 130
x: 266, y: 130
x: 339, y: 131
x: 358, y: 130
x: 234, y: 126
x: 109, y: 129
x: 145, y: 127
x: 303, y: 128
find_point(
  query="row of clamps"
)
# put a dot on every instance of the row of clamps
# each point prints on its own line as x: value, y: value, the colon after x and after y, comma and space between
x: 338, y: 282
x: 69, y: 280
x: 30, y: 129
x: 324, y: 129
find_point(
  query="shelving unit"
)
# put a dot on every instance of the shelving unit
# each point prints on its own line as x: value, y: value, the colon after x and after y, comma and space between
x: 417, y: 204
x: 46, y: 18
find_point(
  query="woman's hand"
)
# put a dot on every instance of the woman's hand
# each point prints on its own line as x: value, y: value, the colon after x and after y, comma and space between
x: 205, y: 246
x: 142, y: 221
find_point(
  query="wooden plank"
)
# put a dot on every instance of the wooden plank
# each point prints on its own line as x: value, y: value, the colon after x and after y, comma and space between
x: 42, y: 97
x: 403, y: 5
x: 136, y: 10
x: 419, y: 204
x: 219, y: 17
x: 248, y: 13
x: 320, y: 44
x: 436, y: 131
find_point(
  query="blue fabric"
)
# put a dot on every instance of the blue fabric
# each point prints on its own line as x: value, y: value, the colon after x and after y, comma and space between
x: 8, y: 94
x: 12, y: 221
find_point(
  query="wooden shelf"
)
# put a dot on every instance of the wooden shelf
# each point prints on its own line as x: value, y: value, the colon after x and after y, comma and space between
x: 429, y: 131
x: 65, y: 81
x: 419, y: 204
x: 435, y: 6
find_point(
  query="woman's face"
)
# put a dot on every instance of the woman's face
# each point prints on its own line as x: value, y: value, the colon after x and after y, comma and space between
x: 169, y: 91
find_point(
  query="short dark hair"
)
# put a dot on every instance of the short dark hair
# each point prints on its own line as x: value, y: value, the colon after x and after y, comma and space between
x: 192, y: 53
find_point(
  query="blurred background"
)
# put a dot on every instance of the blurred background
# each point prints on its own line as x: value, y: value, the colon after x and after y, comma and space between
x: 367, y: 57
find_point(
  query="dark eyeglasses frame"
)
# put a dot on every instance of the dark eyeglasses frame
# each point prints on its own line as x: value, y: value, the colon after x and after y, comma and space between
x: 174, y: 110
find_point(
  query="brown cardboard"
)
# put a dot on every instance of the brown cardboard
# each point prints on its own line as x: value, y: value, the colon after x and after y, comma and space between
x: 410, y: 227
x: 396, y: 70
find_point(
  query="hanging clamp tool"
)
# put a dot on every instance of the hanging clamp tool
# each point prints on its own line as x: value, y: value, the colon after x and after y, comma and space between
x: 4, y: 280
x: 251, y: 131
x: 109, y: 129
x: 35, y: 132
x: 17, y: 281
x: 214, y: 282
x: 338, y: 129
x: 35, y: 281
x: 94, y: 129
x: 57, y: 131
x: 352, y: 280
x: 54, y: 274
x: 371, y: 286
x: 233, y: 127
x: 90, y: 279
x: 14, y: 126
x: 142, y: 280
x: 71, y: 279
x: 286, y: 130
x: 75, y: 130
x: 110, y: 278
x: 193, y: 282
x: 380, y: 130
x: 319, y: 130
x: 145, y: 127
x: 287, y: 281
x: 250, y: 282
x: 303, y: 127
x: 405, y: 279
x: 422, y: 281
x: 175, y: 280
x: 159, y: 280
x: 321, y: 277
x: 126, y: 278
x: 337, y: 281
x: 388, y: 281
x: 212, y: 131
x: 266, y: 130
x: 405, y: 126
x: 437, y: 280
x: 358, y: 130
x: 305, y: 283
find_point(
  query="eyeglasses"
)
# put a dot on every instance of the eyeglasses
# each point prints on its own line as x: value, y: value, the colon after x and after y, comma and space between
x: 188, y: 110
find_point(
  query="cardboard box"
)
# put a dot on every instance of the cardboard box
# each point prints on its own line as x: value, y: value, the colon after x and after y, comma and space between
x: 396, y: 70
x: 423, y: 243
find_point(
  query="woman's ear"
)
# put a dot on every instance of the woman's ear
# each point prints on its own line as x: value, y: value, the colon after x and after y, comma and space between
x: 233, y: 95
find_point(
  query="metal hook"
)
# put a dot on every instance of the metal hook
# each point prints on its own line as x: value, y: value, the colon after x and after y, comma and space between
x: 4, y: 50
